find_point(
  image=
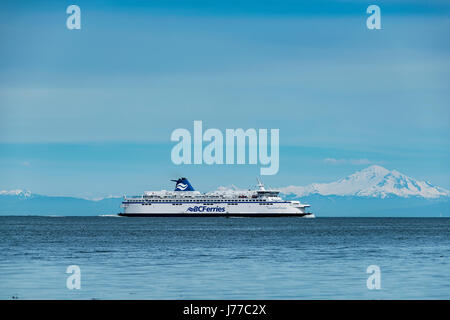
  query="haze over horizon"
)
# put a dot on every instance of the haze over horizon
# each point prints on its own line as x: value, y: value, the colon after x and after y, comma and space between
x: 373, y: 181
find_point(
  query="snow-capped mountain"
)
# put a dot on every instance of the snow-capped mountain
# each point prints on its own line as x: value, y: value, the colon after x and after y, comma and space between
x: 374, y: 181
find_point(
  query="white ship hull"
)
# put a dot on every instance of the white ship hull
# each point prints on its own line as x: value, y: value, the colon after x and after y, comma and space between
x: 215, y: 209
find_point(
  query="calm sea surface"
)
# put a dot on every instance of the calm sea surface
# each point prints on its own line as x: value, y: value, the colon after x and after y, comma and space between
x: 219, y: 258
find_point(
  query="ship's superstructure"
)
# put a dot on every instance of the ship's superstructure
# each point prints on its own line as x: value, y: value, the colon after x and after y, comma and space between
x: 184, y: 201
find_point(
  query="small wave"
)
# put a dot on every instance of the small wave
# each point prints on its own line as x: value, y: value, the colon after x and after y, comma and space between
x: 110, y: 215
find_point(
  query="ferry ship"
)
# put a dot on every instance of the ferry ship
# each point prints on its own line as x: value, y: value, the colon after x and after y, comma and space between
x: 184, y: 201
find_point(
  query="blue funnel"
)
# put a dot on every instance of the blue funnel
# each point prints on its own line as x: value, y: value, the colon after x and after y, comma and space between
x: 183, y: 185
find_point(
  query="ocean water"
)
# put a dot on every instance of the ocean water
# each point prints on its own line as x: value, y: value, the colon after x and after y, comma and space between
x: 219, y: 258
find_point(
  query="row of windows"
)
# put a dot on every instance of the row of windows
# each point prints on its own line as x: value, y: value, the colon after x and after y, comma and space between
x: 206, y: 204
x: 197, y: 201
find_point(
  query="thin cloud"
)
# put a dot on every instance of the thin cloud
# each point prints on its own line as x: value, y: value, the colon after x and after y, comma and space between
x: 355, y: 162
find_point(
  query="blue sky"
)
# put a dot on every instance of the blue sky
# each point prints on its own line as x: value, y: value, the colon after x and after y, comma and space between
x: 89, y: 112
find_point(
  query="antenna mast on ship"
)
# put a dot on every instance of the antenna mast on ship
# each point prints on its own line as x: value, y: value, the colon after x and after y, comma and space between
x: 260, y: 185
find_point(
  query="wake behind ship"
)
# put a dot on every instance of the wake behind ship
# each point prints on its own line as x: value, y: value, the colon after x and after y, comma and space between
x: 184, y: 201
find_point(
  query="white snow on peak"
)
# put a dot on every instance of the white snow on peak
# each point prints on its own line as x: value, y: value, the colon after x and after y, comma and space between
x: 103, y: 198
x: 374, y: 181
x: 16, y: 192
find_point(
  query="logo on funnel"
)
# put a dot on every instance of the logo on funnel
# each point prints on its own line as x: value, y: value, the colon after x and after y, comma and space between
x: 182, y: 186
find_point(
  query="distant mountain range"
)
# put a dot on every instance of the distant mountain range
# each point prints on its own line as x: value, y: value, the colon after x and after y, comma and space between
x: 372, y: 192
x: 19, y: 202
